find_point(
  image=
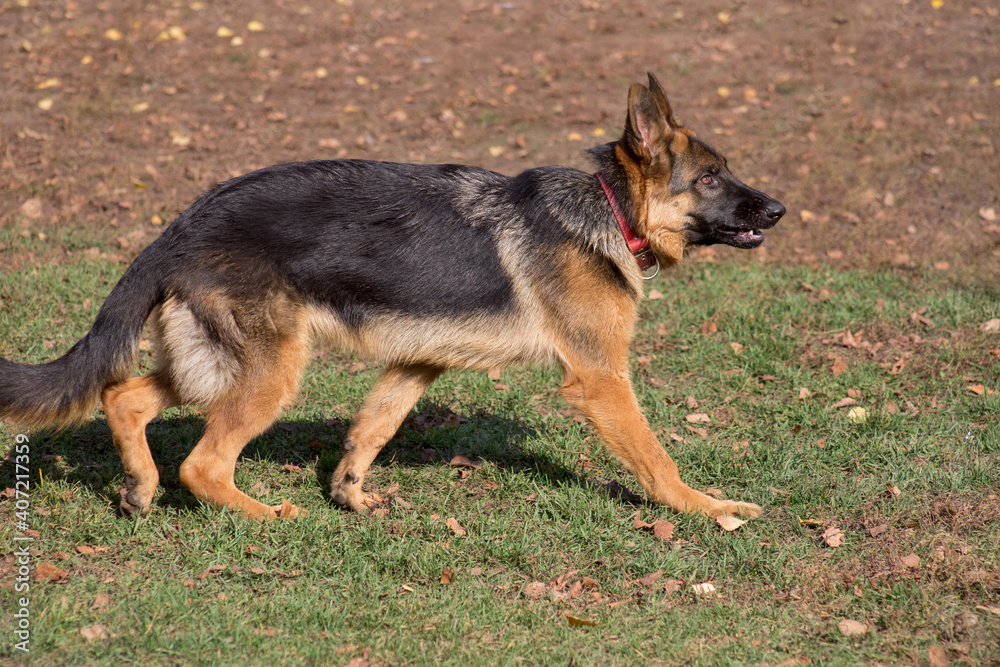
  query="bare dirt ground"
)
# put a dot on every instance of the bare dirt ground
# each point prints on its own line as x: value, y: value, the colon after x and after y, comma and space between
x: 876, y: 123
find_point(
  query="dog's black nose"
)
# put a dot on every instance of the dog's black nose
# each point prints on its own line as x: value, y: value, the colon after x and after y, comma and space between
x: 774, y: 210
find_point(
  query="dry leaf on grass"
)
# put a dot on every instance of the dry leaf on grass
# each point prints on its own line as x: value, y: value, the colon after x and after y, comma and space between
x: 650, y: 579
x: 843, y: 403
x: 991, y: 326
x: 447, y: 575
x: 536, y: 590
x: 49, y: 572
x: 704, y: 589
x: 654, y: 295
x: 875, y: 531
x: 911, y: 561
x: 577, y: 622
x: 699, y: 418
x: 663, y: 530
x: 460, y: 460
x: 833, y: 536
x: 456, y: 527
x: 672, y: 585
x: 212, y: 571
x: 94, y: 632
x: 729, y: 523
x: 937, y: 656
x: 851, y: 628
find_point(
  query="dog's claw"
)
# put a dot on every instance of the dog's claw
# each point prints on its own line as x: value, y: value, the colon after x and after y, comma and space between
x: 131, y: 505
x: 286, y: 510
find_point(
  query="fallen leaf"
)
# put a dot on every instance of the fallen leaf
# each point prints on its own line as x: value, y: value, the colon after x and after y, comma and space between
x: 988, y: 214
x: 937, y: 656
x: 709, y: 327
x: 894, y: 490
x: 535, y: 590
x: 844, y: 402
x: 857, y: 415
x: 463, y: 461
x: 49, y: 572
x: 654, y: 295
x: 698, y: 418
x: 833, y: 536
x: 918, y: 316
x: 990, y: 610
x: 850, y: 628
x: 704, y: 589
x: 495, y: 373
x: 839, y: 366
x: 976, y: 389
x: 92, y: 633
x: 456, y: 527
x: 729, y: 523
x: 639, y: 524
x: 911, y: 561
x: 447, y: 575
x: 737, y: 348
x: 100, y: 602
x: 672, y: 585
x: 804, y: 393
x: 257, y: 570
x: 650, y: 578
x: 663, y: 530
x: 291, y: 467
x: 211, y: 571
x: 875, y: 531
x: 577, y: 622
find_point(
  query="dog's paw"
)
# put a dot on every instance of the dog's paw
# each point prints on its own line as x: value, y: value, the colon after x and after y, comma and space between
x: 368, y: 504
x: 131, y: 505
x: 735, y: 508
x: 286, y: 510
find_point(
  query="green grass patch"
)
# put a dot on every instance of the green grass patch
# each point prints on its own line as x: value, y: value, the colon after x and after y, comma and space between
x: 767, y: 353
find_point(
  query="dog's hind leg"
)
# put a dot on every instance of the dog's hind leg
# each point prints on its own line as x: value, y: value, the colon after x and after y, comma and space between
x: 609, y: 403
x: 257, y: 397
x: 390, y: 401
x: 129, y: 407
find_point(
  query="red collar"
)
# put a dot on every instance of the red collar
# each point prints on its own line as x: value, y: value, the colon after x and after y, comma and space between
x: 638, y: 246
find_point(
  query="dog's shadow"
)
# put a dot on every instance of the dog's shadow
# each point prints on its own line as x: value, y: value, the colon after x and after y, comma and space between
x: 430, y: 436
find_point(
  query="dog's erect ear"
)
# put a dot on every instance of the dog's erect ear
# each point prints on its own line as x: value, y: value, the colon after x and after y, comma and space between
x: 646, y: 130
x: 660, y: 97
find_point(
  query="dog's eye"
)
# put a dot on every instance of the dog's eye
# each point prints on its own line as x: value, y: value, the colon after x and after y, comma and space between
x: 707, y: 179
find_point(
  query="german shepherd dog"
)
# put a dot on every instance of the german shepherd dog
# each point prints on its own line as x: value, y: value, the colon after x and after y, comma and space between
x: 422, y: 267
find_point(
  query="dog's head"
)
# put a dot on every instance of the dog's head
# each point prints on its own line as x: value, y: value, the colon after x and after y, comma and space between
x: 681, y: 189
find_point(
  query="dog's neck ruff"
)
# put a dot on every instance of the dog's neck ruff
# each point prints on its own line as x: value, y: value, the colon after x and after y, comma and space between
x: 638, y: 246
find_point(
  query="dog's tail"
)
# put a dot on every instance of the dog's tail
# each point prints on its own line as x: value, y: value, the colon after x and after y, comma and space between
x: 66, y: 391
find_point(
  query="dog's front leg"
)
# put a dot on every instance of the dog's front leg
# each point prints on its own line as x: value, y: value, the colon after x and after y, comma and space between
x: 608, y: 402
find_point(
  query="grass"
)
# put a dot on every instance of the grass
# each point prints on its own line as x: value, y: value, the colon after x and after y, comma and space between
x: 546, y: 503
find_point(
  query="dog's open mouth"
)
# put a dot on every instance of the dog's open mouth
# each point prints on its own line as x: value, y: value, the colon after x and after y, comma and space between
x: 741, y: 238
